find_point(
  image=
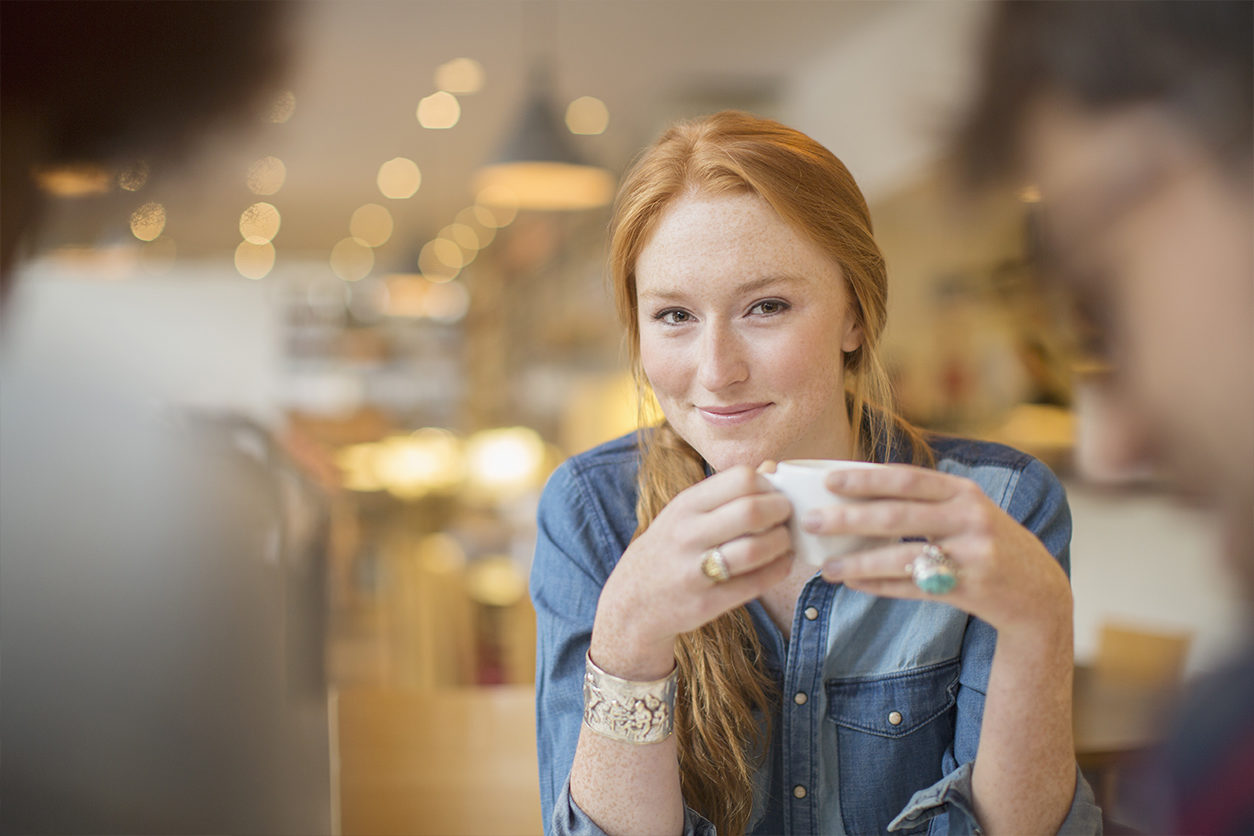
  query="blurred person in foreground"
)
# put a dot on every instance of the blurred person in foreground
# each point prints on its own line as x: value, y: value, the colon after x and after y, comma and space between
x: 160, y: 671
x: 1134, y: 121
x: 855, y: 699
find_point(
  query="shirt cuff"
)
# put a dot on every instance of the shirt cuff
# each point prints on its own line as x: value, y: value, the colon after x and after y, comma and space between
x: 953, y: 795
x: 569, y: 820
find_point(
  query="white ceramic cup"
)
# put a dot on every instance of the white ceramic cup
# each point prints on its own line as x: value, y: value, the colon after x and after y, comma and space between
x: 801, y: 480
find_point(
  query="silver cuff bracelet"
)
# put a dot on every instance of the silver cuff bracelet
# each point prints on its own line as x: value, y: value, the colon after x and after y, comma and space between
x: 632, y: 712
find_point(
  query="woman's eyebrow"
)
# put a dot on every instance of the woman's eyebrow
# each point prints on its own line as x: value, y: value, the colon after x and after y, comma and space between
x: 671, y: 294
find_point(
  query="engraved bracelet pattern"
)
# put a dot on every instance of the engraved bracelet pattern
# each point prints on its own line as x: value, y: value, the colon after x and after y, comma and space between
x: 632, y: 712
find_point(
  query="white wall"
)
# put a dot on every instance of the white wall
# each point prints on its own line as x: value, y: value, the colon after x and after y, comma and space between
x: 884, y: 95
x: 192, y: 338
x: 1144, y: 560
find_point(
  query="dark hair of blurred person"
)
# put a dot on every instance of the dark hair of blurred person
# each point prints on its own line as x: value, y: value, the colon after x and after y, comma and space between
x: 1134, y: 122
x: 105, y: 82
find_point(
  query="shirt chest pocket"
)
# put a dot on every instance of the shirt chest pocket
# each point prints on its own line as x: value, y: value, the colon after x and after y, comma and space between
x: 891, y: 733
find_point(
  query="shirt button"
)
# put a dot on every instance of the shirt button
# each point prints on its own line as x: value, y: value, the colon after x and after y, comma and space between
x: 894, y: 717
x: 811, y: 613
x: 799, y: 791
x: 800, y: 698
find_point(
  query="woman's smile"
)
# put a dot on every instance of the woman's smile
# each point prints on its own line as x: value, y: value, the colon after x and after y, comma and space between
x: 730, y: 416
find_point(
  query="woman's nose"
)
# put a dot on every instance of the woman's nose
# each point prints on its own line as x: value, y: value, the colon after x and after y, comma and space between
x: 722, y: 360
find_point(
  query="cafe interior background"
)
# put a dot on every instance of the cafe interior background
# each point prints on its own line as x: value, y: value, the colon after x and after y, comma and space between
x: 370, y: 292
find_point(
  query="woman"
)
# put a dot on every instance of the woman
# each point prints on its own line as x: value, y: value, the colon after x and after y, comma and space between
x: 845, y: 701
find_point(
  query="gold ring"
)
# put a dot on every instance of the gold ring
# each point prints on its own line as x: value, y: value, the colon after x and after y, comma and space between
x: 714, y: 566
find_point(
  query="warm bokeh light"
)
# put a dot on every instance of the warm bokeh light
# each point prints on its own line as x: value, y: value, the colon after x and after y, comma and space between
x: 266, y: 176
x: 254, y: 261
x: 432, y: 264
x: 282, y: 107
x: 75, y: 180
x: 133, y: 176
x: 481, y: 220
x: 449, y: 254
x: 428, y: 461
x: 461, y: 75
x: 463, y: 236
x: 417, y: 297
x: 547, y: 186
x: 448, y: 301
x: 351, y: 260
x: 440, y: 554
x: 496, y: 581
x: 587, y: 115
x: 259, y: 223
x: 356, y: 463
x: 148, y: 221
x: 371, y: 225
x: 438, y: 111
x: 399, y: 178
x: 500, y: 203
x: 504, y: 463
x: 157, y: 257
x: 1030, y: 194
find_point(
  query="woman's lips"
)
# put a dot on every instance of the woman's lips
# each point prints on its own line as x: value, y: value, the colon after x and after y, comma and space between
x: 725, y: 416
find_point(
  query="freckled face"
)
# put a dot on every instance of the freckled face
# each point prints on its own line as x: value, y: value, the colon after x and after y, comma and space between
x: 743, y: 325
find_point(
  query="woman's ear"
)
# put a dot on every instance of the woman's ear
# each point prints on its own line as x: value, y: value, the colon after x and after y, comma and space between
x: 852, y: 340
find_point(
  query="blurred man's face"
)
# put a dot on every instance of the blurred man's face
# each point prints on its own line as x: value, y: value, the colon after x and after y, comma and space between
x: 1155, y: 239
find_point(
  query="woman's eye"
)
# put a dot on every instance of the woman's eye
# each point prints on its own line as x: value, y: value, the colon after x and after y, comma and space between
x: 767, y: 307
x: 673, y: 316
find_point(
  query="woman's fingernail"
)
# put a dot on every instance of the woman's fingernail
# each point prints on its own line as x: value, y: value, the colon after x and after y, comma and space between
x: 811, y: 521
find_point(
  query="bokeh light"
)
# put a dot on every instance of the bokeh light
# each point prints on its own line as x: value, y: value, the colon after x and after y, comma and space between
x: 254, y: 261
x: 266, y: 176
x: 417, y: 297
x: 148, y: 221
x: 281, y: 107
x: 463, y: 236
x: 1030, y: 194
x: 399, y: 178
x: 73, y: 180
x: 495, y: 581
x: 371, y: 225
x: 259, y: 223
x: 461, y: 75
x: 432, y: 263
x: 587, y: 115
x: 133, y: 176
x: 351, y: 260
x: 481, y: 220
x: 500, y: 203
x: 428, y: 461
x: 439, y: 111
x: 504, y: 463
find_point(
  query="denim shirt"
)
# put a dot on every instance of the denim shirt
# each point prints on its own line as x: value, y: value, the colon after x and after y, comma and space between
x: 887, y: 731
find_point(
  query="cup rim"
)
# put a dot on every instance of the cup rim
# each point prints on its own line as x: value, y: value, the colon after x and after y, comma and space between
x: 828, y: 464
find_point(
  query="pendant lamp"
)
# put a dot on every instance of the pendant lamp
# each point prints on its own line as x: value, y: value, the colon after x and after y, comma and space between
x: 538, y: 166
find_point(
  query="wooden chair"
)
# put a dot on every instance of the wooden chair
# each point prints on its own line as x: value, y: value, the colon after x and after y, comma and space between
x: 447, y: 762
x: 1131, y: 654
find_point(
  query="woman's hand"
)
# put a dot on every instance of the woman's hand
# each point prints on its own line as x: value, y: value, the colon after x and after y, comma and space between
x: 1005, y: 575
x: 658, y: 590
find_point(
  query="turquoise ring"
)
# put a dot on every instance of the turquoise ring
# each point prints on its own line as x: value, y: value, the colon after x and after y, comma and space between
x: 933, y: 571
